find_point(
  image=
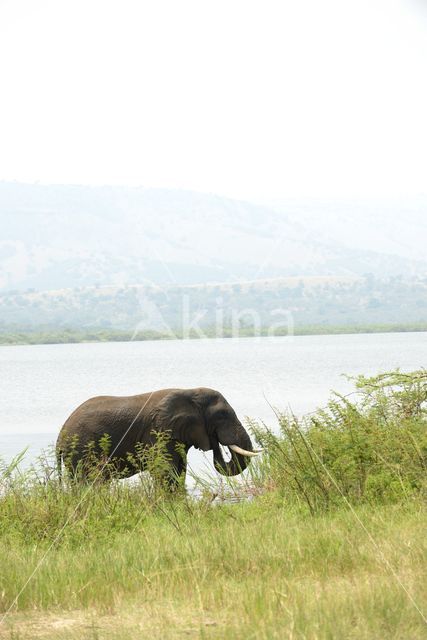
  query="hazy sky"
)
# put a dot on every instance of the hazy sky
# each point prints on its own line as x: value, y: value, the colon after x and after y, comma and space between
x: 251, y: 99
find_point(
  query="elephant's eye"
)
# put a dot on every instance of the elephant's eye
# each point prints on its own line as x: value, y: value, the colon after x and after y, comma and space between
x: 221, y: 415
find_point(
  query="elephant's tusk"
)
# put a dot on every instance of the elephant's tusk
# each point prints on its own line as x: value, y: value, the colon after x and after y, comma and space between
x: 243, y: 452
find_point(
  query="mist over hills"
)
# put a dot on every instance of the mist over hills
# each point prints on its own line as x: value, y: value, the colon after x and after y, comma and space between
x: 62, y: 236
x: 395, y: 226
x: 127, y: 258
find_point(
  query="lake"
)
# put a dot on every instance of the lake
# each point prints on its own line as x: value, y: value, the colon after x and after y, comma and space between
x: 40, y: 385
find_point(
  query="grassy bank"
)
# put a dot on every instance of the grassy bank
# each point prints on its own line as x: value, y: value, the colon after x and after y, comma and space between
x: 69, y: 336
x: 332, y: 545
x: 251, y: 570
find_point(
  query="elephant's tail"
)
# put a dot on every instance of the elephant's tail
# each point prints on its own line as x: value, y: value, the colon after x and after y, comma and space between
x: 59, y: 462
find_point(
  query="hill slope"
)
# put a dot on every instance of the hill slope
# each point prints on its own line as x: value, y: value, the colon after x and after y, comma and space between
x: 264, y: 303
x: 67, y: 236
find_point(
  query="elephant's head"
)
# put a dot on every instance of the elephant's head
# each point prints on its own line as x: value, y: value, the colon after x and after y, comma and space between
x: 203, y: 418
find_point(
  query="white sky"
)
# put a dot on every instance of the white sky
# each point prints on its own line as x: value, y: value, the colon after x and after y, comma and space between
x: 251, y: 99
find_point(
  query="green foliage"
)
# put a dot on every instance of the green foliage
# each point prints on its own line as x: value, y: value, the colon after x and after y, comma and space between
x: 171, y: 568
x: 318, y: 305
x: 127, y: 559
x: 372, y: 448
x: 37, y: 504
x: 73, y: 336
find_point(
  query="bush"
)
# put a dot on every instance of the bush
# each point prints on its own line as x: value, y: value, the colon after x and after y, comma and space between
x: 370, y: 449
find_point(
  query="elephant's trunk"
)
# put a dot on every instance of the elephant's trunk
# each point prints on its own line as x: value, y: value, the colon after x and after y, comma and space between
x: 240, y: 455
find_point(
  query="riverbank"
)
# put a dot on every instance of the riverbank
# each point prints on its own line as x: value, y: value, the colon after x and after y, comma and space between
x: 71, y: 336
x: 324, y: 537
x: 257, y: 569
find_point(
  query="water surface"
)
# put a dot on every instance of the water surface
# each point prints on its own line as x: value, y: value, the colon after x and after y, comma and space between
x: 40, y: 385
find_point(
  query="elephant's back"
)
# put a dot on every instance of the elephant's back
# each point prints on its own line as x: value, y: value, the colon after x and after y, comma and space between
x: 93, y: 419
x: 112, y: 415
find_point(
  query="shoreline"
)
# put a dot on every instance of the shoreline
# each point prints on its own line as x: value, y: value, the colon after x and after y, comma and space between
x: 81, y: 336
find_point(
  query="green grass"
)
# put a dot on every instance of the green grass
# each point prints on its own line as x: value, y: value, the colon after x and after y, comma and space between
x: 367, y: 447
x: 71, y: 336
x: 127, y: 561
x: 258, y: 568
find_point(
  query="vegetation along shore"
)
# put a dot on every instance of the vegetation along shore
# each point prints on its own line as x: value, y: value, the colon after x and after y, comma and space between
x: 13, y: 336
x: 323, y: 538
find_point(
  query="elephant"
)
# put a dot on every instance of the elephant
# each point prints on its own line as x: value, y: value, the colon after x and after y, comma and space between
x: 184, y: 418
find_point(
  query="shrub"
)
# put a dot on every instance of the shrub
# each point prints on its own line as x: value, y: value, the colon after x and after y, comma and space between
x: 372, y: 448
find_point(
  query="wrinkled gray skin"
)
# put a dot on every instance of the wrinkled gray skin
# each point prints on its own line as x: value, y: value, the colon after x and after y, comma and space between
x: 200, y: 418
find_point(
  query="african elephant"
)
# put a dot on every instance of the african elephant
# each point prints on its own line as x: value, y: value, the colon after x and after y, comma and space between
x: 200, y: 417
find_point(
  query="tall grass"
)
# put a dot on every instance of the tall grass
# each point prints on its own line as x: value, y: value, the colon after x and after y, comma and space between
x: 128, y: 560
x: 368, y: 447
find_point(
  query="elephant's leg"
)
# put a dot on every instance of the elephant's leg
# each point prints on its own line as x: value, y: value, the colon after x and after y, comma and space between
x: 175, y: 477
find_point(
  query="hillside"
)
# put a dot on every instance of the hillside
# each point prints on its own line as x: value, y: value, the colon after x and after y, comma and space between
x: 305, y: 301
x: 55, y: 237
x: 395, y: 226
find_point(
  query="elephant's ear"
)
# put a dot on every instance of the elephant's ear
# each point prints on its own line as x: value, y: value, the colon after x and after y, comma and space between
x: 178, y: 413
